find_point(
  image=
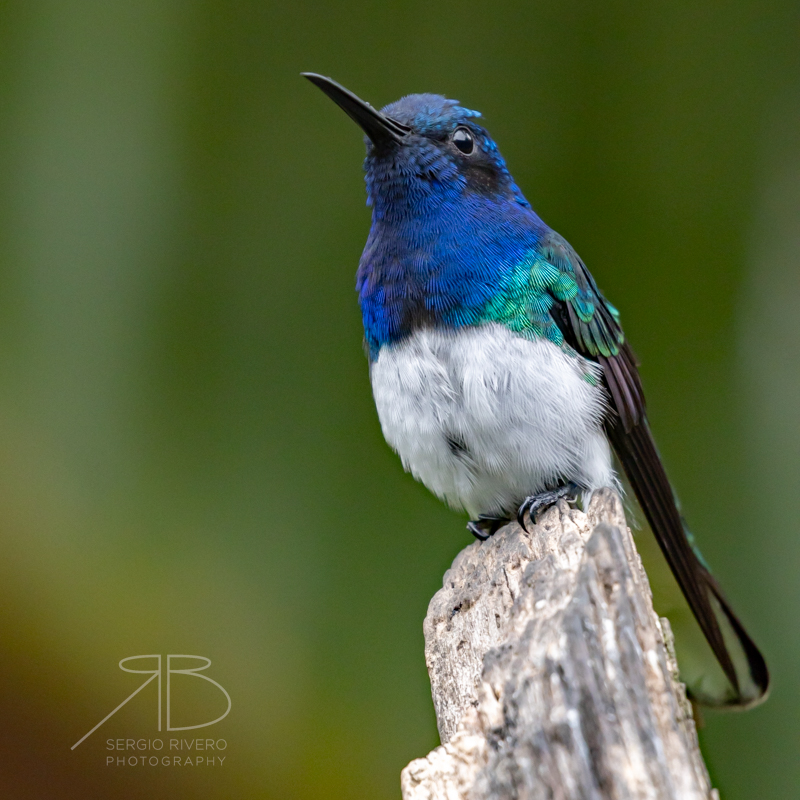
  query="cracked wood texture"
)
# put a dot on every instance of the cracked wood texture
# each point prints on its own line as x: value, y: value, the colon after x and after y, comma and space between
x: 552, y: 676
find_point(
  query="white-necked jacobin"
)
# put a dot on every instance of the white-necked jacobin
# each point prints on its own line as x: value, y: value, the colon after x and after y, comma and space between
x: 500, y: 372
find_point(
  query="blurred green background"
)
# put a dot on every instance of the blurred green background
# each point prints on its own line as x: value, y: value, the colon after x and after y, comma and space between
x: 189, y: 457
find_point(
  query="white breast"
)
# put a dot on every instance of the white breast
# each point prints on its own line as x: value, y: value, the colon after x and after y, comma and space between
x: 485, y: 418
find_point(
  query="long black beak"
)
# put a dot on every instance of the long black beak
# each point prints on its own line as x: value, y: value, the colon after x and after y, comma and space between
x: 382, y: 130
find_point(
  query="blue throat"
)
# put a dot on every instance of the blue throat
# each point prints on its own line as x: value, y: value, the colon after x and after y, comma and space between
x: 442, y: 267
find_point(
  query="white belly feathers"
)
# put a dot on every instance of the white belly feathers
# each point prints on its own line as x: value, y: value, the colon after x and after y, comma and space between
x: 485, y: 418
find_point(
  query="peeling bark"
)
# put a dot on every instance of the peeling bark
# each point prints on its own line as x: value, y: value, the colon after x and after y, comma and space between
x: 552, y: 676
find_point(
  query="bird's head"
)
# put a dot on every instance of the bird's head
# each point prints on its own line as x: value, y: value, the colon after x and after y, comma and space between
x: 424, y: 153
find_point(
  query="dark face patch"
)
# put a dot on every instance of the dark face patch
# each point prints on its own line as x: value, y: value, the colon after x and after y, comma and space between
x: 475, y: 160
x: 483, y: 177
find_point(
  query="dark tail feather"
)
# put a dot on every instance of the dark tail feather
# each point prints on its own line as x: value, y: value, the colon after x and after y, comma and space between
x: 740, y: 659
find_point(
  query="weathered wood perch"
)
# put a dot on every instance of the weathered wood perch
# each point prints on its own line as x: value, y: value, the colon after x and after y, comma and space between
x: 552, y: 676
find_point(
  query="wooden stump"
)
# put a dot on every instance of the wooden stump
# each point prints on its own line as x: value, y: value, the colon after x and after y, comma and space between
x: 552, y: 676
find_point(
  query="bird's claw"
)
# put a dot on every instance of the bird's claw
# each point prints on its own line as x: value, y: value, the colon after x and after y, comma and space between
x: 536, y: 503
x: 485, y: 526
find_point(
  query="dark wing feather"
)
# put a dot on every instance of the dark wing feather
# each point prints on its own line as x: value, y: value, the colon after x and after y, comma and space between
x: 591, y: 325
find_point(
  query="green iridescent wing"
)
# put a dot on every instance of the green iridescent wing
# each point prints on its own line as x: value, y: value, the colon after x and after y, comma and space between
x: 590, y: 324
x: 593, y: 320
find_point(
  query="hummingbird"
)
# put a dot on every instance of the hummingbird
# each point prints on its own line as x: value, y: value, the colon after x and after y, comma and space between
x: 500, y: 372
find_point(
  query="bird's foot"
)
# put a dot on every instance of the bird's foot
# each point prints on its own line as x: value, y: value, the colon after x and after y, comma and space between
x: 485, y: 526
x: 535, y: 504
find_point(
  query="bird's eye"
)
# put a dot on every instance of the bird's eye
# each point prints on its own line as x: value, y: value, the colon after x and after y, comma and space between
x: 462, y: 139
